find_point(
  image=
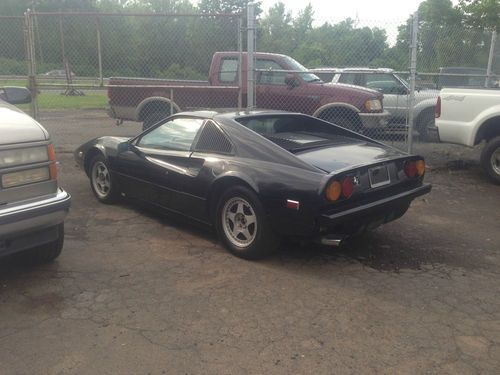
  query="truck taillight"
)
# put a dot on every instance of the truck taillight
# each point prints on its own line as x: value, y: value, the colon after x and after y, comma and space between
x: 437, y: 112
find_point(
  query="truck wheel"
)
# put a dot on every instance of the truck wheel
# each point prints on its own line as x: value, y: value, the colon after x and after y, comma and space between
x: 490, y: 159
x: 44, y: 253
x: 424, y: 123
x: 153, y: 118
x: 343, y: 118
x: 242, y: 224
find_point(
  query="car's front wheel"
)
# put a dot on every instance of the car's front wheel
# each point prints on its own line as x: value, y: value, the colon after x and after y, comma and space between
x: 242, y: 224
x: 101, y: 180
x: 490, y: 159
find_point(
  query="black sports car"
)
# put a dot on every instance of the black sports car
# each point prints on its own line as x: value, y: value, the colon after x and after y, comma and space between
x: 258, y: 176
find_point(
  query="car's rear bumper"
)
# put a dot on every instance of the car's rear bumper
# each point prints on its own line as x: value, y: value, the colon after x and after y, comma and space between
x: 374, y: 120
x: 370, y: 214
x: 31, y: 224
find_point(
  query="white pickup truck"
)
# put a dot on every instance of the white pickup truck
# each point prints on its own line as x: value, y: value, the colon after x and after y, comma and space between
x: 469, y: 117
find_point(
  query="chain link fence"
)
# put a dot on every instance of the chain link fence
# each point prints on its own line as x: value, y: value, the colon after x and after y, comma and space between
x: 143, y: 67
x: 13, y: 65
x: 345, y: 73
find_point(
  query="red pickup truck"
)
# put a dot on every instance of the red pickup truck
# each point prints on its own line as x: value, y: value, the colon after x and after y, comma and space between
x: 150, y: 100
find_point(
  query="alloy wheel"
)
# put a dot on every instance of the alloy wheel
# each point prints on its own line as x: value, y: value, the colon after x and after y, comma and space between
x: 101, y: 179
x: 239, y: 222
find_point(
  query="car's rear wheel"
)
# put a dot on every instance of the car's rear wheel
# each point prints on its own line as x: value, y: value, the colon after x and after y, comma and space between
x: 490, y: 159
x: 101, y: 180
x: 242, y: 224
x: 44, y: 253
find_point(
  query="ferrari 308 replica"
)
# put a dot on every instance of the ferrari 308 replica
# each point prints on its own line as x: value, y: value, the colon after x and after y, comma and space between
x: 258, y: 176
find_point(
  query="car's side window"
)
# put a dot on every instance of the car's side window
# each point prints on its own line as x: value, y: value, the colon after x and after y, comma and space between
x: 270, y: 76
x: 349, y: 78
x: 385, y: 83
x: 177, y: 134
x: 228, y: 70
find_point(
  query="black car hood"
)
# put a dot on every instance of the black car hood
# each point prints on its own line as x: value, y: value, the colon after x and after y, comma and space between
x: 347, y: 154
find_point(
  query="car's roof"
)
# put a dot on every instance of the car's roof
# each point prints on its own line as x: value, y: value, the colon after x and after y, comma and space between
x: 353, y: 69
x: 231, y: 114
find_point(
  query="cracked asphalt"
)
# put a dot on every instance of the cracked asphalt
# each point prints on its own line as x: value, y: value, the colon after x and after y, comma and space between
x: 135, y: 292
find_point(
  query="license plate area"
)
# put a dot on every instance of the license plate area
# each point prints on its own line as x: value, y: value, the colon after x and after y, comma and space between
x: 379, y: 176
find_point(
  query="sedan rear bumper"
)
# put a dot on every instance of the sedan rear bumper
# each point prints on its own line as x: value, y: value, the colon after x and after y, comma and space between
x: 371, y: 214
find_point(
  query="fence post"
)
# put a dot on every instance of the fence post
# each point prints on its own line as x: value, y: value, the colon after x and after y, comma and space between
x: 61, y: 36
x: 413, y: 72
x: 490, y: 58
x: 240, y: 60
x: 250, y: 56
x: 30, y: 55
x: 99, y: 51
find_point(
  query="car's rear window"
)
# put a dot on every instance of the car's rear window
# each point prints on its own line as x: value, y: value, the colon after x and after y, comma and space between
x: 294, y: 133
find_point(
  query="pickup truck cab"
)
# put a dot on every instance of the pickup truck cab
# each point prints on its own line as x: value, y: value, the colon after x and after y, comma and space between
x: 471, y: 116
x: 396, y: 94
x: 281, y: 84
x: 32, y: 205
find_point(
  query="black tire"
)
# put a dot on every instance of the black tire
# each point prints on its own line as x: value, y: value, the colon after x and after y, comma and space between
x: 262, y: 241
x: 426, y: 121
x: 103, y: 187
x: 153, y: 118
x: 345, y: 119
x: 490, y: 159
x: 44, y: 253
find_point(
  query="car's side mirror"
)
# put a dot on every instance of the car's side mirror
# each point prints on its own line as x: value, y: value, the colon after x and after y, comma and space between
x: 123, y: 147
x: 15, y: 95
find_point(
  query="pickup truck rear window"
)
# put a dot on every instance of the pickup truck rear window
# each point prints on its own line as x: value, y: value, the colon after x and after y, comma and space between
x: 228, y: 69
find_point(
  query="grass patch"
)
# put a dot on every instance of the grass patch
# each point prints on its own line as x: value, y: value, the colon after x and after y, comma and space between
x: 13, y: 82
x: 57, y: 102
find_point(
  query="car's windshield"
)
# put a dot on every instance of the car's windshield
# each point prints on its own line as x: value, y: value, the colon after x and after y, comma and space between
x: 295, y: 65
x: 405, y: 82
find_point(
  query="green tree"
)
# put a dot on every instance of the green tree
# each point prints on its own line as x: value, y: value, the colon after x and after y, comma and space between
x: 484, y: 14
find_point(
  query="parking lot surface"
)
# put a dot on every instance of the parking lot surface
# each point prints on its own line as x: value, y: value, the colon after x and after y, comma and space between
x: 136, y: 292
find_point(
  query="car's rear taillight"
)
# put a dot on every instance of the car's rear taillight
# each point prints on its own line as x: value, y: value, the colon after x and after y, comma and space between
x: 347, y: 187
x: 414, y: 168
x: 337, y: 189
x: 437, y: 112
x: 53, y: 162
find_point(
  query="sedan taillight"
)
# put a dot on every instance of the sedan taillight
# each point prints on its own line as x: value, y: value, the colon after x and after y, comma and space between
x: 53, y: 162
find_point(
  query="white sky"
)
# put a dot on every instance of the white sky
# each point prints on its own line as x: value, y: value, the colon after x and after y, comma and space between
x: 386, y: 14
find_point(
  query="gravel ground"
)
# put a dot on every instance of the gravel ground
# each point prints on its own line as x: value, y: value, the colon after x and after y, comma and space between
x: 135, y: 292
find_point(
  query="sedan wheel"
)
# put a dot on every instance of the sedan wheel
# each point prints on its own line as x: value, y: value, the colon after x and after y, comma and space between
x: 242, y: 224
